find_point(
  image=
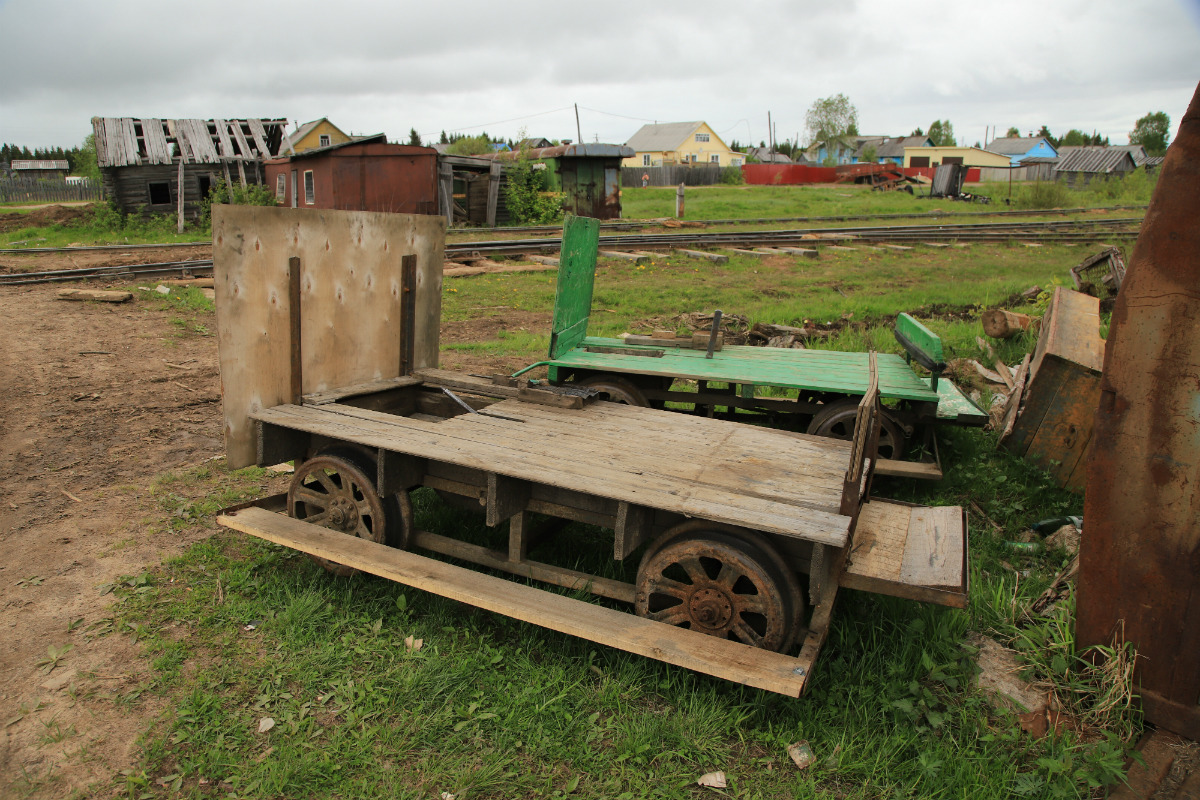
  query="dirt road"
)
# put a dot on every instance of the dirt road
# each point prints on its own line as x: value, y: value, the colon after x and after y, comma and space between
x: 83, y: 434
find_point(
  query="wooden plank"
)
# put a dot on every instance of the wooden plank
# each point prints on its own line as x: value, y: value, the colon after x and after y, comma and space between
x: 360, y: 389
x: 505, y: 497
x: 350, y: 302
x: 275, y: 444
x: 632, y: 529
x: 576, y: 276
x: 739, y: 487
x: 636, y: 258
x: 493, y: 193
x: 101, y: 295
x: 899, y: 247
x: 260, y: 137
x: 156, y: 141
x: 803, y: 252
x: 706, y: 654
x: 548, y: 261
x: 397, y: 472
x: 742, y: 252
x: 933, y: 552
x: 225, y: 149
x: 921, y: 470
x: 716, y: 258
x: 528, y: 395
x: 518, y: 536
x: 235, y: 126
x: 533, y: 570
x: 462, y: 382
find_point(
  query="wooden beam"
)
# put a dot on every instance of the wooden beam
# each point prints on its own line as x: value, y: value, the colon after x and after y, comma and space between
x: 297, y: 363
x: 493, y: 195
x: 633, y: 527
x: 716, y: 258
x: 505, y: 497
x: 685, y: 648
x: 397, y: 472
x: 636, y: 258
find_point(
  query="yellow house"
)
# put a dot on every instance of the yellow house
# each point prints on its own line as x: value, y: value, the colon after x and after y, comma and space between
x: 318, y: 133
x: 673, y: 143
x: 968, y: 156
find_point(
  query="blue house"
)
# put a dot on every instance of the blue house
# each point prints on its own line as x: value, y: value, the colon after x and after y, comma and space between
x: 1019, y: 148
x: 888, y: 149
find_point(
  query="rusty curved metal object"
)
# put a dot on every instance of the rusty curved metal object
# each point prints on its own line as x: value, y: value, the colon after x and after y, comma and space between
x: 1140, y: 559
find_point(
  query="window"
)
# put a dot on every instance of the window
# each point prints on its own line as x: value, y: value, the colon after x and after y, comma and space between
x: 645, y: 159
x: 310, y: 190
x: 735, y: 162
x: 715, y: 158
x: 324, y: 140
x: 919, y: 161
x: 701, y: 137
x: 205, y: 183
x: 280, y: 187
x: 160, y: 193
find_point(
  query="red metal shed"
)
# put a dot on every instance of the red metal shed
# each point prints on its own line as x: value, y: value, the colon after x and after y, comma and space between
x: 365, y: 174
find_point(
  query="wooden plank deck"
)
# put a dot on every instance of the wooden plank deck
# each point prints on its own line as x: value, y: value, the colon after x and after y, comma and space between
x: 819, y: 370
x: 721, y: 658
x: 716, y: 470
x: 909, y: 551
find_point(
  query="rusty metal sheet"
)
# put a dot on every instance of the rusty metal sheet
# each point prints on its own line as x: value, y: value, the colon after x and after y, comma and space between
x: 1140, y: 556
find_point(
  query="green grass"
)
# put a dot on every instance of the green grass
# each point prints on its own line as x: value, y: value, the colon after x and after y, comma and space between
x: 742, y: 202
x: 237, y: 630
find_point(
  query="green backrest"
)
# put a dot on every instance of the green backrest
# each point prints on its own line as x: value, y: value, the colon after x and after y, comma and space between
x: 921, y: 344
x: 576, y: 274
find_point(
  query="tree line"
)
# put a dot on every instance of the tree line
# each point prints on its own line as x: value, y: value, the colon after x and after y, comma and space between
x: 81, y: 160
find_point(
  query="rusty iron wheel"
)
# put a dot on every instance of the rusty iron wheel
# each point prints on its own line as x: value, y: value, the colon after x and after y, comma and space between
x: 616, y: 389
x: 721, y: 584
x: 333, y: 490
x: 836, y: 420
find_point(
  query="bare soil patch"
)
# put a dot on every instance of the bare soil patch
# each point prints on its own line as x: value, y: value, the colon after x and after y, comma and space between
x: 84, y: 434
x: 37, y: 262
x: 42, y: 216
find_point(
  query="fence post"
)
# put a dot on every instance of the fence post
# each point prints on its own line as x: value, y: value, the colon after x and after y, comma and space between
x: 679, y: 201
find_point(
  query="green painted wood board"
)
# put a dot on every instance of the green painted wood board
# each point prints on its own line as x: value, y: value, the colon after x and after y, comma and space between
x: 920, y: 336
x: 576, y: 274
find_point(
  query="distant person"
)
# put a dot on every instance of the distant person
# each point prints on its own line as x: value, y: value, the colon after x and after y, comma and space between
x: 645, y: 179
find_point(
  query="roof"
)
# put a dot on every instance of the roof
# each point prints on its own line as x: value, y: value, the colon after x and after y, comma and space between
x: 1136, y: 150
x: 307, y: 128
x: 40, y: 164
x: 765, y: 155
x: 587, y: 150
x: 1014, y: 145
x: 890, y: 146
x: 1096, y: 159
x: 375, y: 138
x: 662, y: 137
x: 533, y: 142
x: 126, y: 141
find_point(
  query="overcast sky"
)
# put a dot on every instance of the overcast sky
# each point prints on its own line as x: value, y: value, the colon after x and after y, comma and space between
x: 468, y: 66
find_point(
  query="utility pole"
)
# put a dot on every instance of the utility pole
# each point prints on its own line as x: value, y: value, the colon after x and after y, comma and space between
x: 578, y: 132
x: 771, y: 137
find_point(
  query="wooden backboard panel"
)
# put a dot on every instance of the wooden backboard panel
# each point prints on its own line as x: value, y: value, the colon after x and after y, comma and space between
x: 350, y: 303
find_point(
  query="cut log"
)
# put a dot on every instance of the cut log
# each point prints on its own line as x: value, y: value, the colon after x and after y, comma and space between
x: 95, y: 294
x: 1001, y: 324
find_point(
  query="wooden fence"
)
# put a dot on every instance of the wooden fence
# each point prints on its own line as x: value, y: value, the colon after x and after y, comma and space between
x: 699, y: 175
x: 24, y: 190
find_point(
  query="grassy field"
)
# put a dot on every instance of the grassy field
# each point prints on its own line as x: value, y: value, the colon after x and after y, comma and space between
x: 237, y: 631
x: 489, y: 707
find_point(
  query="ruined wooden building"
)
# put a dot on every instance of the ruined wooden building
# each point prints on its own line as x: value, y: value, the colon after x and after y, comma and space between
x: 168, y: 166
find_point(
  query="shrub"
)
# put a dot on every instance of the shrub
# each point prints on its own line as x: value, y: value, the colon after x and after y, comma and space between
x: 528, y: 204
x: 234, y: 194
x: 1043, y: 194
x: 732, y: 176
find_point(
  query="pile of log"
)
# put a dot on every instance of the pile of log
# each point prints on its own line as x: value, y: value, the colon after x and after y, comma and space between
x: 768, y: 335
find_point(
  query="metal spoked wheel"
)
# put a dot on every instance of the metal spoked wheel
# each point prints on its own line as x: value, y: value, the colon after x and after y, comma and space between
x: 616, y: 389
x: 734, y: 586
x: 333, y: 490
x: 836, y: 420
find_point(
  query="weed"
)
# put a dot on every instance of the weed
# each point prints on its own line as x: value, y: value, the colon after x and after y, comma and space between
x: 54, y: 656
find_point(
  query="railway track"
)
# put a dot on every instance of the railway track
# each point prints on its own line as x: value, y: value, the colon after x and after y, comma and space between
x: 1049, y: 232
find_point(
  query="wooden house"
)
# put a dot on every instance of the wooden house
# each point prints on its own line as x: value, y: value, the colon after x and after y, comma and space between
x: 672, y: 143
x: 168, y: 166
x: 363, y: 174
x: 318, y: 133
x: 588, y: 175
x: 1079, y: 166
x: 1019, y: 148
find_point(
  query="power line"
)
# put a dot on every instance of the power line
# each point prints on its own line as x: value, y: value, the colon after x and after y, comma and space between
x: 500, y: 122
x: 622, y: 116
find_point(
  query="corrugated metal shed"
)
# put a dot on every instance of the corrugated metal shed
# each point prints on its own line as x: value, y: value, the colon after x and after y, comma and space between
x: 129, y: 142
x: 1096, y: 160
x: 594, y: 150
